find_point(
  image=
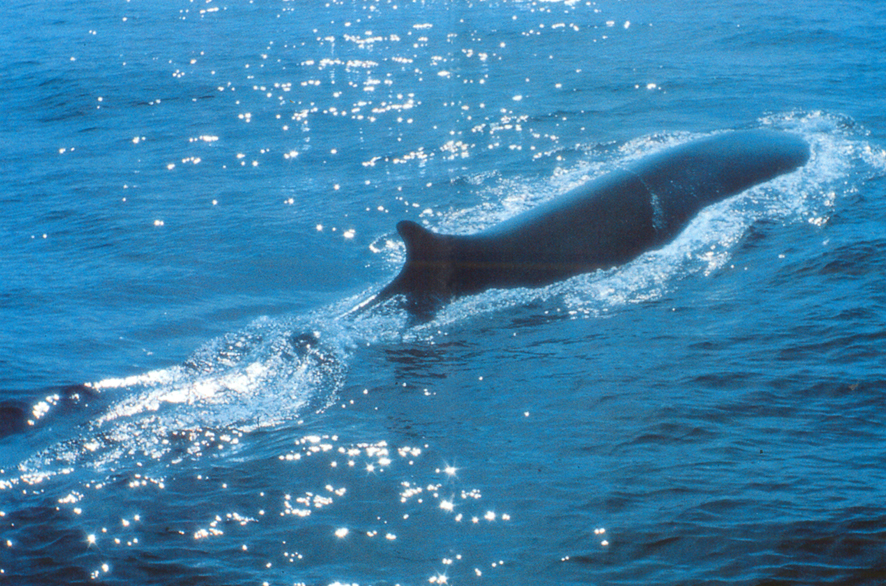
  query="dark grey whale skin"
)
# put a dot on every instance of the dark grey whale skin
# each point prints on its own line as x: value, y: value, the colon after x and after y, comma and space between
x: 607, y: 222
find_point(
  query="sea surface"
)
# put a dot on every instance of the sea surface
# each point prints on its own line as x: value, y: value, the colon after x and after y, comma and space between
x: 194, y: 194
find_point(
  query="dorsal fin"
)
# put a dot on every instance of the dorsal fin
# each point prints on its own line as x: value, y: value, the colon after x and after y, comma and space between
x: 421, y: 243
x: 425, y: 277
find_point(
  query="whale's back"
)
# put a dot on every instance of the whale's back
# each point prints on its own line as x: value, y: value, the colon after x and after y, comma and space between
x: 609, y: 221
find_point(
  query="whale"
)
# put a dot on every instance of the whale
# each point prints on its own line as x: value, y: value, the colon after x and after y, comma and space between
x: 604, y: 223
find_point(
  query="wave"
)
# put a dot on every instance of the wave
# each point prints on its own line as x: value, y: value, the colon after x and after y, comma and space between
x: 277, y: 371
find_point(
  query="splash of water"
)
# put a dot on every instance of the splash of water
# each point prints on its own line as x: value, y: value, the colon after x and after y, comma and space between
x: 276, y: 371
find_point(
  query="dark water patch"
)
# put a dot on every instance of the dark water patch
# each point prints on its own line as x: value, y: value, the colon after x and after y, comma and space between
x: 168, y: 565
x: 59, y: 403
x: 758, y: 237
x: 855, y: 259
x: 426, y: 363
x: 846, y: 342
x: 845, y: 550
x: 50, y: 546
x: 63, y: 100
x: 670, y: 434
x: 13, y: 417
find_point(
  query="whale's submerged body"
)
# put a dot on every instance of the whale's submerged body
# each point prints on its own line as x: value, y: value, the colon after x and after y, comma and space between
x: 606, y: 222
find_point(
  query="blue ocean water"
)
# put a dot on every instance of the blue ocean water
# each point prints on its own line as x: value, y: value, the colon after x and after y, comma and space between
x: 195, y: 194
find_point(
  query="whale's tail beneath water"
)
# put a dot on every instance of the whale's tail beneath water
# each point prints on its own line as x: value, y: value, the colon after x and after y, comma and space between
x: 604, y: 223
